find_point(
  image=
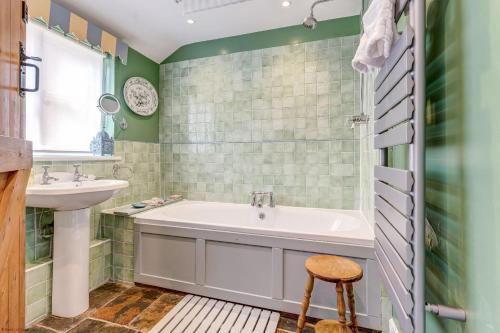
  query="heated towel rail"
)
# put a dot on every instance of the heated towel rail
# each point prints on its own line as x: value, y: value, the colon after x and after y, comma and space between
x: 399, y: 194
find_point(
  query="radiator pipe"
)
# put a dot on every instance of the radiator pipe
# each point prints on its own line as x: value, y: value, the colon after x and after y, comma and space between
x: 444, y: 311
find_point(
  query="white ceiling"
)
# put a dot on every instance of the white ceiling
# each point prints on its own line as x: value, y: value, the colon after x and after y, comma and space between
x: 157, y: 28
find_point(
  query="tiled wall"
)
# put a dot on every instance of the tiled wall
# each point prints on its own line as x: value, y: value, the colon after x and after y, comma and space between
x: 39, y: 279
x: 120, y: 230
x: 100, y: 263
x: 39, y: 232
x: 38, y: 290
x: 143, y: 159
x: 273, y: 119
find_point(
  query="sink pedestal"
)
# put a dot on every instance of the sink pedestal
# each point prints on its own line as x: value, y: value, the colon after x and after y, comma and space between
x: 70, y: 284
x: 70, y: 200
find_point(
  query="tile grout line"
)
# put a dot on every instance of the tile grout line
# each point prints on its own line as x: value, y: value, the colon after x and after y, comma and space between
x: 89, y: 316
x: 113, y: 324
x: 46, y: 327
x: 118, y: 295
x: 156, y: 300
x: 93, y: 311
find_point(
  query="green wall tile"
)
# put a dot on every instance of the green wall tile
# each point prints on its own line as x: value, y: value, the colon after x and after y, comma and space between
x: 236, y: 123
x: 36, y: 292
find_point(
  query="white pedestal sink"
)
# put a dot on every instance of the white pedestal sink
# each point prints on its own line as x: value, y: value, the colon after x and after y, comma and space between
x: 71, y: 200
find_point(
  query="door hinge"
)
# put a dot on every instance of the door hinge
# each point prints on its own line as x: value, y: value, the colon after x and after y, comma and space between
x: 25, y: 13
x: 23, y: 58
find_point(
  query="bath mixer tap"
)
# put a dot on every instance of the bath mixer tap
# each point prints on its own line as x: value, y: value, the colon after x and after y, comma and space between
x: 46, y: 177
x: 258, y: 197
x: 259, y: 202
x: 77, y: 176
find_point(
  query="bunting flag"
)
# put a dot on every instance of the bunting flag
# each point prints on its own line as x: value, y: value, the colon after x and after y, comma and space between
x: 59, y: 18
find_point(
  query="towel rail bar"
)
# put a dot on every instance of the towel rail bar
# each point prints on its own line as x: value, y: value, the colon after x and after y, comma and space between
x: 403, y: 66
x: 404, y: 272
x: 400, y: 46
x: 399, y: 194
x: 447, y: 312
x: 399, y: 135
x: 401, y: 112
x: 400, y: 91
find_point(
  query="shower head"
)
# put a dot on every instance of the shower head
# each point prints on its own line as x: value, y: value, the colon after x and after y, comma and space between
x: 310, y: 22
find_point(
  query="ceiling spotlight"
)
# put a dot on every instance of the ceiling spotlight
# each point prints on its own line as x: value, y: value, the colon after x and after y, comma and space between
x: 286, y: 3
x: 190, y: 21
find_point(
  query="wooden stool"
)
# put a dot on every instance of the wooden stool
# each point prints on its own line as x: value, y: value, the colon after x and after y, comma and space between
x: 340, y: 271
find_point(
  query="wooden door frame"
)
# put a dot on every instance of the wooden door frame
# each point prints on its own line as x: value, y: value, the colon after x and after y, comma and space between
x: 15, y: 167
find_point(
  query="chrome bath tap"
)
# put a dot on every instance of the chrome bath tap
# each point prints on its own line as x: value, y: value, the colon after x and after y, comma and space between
x: 257, y: 199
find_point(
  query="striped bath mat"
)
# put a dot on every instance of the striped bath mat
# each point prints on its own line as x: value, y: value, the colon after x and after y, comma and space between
x: 201, y: 314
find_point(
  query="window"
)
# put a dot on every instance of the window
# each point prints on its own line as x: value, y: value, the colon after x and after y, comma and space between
x: 62, y: 116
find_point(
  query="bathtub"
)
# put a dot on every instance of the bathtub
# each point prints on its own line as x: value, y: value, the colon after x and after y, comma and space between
x: 253, y: 255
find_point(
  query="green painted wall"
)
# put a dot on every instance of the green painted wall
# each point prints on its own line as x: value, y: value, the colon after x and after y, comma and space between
x: 463, y: 163
x: 346, y: 26
x: 144, y: 129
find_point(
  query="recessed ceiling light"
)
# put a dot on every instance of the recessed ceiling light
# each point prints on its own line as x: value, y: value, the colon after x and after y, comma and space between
x: 286, y: 3
x: 190, y: 21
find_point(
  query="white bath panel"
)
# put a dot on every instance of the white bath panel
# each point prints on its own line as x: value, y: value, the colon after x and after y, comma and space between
x: 195, y: 314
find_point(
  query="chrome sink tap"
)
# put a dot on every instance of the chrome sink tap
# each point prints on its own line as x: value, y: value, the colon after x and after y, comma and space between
x: 258, y: 199
x: 77, y: 176
x: 46, y: 178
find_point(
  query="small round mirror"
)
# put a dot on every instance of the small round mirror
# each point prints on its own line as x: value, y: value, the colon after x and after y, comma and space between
x: 109, y: 104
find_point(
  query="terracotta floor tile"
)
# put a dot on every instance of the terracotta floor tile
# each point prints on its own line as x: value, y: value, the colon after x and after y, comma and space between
x: 106, y: 293
x: 123, y: 309
x: 290, y: 325
x: 156, y: 311
x: 62, y: 324
x: 119, y: 308
x: 96, y: 326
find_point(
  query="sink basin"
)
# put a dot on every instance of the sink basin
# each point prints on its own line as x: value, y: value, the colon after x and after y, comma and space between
x: 69, y: 195
x: 72, y: 202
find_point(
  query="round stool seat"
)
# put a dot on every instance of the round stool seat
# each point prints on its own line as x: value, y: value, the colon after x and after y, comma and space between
x: 334, y: 269
x: 331, y: 326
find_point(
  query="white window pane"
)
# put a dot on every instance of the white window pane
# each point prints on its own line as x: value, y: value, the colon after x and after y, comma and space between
x: 63, y: 115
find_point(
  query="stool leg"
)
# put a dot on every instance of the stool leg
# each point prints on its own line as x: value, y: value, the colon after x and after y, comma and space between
x: 340, y: 303
x: 352, y: 308
x: 305, y: 304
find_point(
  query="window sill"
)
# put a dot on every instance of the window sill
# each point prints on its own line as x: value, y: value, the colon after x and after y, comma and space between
x: 37, y: 157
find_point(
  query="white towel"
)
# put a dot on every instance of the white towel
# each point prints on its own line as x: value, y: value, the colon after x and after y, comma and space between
x: 379, y: 33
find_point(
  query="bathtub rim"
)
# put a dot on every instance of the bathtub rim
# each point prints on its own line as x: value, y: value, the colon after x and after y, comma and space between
x: 182, y: 223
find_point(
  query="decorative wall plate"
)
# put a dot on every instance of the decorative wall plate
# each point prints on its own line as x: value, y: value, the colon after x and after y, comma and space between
x: 140, y: 96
